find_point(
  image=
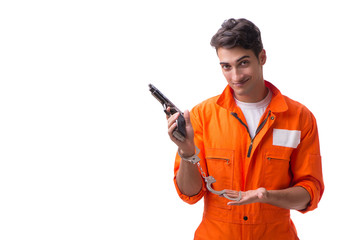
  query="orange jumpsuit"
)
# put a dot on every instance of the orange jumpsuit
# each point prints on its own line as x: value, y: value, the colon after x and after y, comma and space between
x: 284, y: 153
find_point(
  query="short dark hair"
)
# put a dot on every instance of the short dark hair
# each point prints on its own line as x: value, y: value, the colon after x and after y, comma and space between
x: 238, y: 33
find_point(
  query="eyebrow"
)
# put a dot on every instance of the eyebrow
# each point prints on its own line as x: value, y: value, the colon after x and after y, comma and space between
x: 238, y: 60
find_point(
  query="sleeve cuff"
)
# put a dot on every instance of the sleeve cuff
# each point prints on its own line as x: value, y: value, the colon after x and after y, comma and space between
x: 313, y: 199
x: 190, y: 199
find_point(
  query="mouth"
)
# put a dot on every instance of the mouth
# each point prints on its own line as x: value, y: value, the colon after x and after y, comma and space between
x: 241, y: 83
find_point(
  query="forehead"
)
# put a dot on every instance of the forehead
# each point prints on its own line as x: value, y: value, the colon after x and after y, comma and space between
x: 233, y: 54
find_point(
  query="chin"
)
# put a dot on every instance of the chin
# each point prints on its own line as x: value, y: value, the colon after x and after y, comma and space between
x: 239, y: 90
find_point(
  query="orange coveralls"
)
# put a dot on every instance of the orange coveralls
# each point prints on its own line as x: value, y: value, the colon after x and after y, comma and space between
x: 284, y: 153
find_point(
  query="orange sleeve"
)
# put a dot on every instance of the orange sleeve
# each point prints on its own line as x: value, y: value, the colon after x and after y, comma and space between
x: 199, y: 143
x: 188, y: 199
x: 306, y: 163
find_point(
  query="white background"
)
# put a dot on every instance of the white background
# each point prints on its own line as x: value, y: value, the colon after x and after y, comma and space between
x: 84, y: 152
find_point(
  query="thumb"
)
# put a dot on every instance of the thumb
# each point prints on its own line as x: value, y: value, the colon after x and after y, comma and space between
x: 187, y: 117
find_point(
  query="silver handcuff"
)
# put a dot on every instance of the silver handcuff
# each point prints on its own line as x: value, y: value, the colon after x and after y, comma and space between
x: 208, y: 179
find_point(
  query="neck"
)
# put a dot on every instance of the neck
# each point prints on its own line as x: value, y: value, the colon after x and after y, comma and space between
x: 254, y: 96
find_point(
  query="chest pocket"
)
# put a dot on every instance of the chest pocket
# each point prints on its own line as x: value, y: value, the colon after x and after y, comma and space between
x: 277, y: 168
x: 220, y: 165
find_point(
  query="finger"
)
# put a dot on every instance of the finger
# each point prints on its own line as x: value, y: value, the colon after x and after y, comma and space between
x: 168, y: 111
x: 172, y: 119
x: 231, y: 193
x: 171, y: 129
x: 234, y: 203
x: 238, y: 203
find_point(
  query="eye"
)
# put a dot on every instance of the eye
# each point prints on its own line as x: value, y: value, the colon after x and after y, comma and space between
x: 226, y: 66
x: 244, y: 63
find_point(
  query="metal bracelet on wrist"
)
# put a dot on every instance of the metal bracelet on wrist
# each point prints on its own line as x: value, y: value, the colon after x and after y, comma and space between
x: 193, y: 159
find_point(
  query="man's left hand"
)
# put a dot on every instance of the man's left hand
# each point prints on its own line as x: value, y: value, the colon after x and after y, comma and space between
x: 251, y: 196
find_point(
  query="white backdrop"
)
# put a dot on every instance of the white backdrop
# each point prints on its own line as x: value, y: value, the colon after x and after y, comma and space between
x: 84, y: 152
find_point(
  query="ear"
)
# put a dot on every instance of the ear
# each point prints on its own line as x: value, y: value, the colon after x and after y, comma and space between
x: 262, y: 57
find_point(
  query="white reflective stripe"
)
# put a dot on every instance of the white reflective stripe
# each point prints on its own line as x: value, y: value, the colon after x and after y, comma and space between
x: 286, y: 138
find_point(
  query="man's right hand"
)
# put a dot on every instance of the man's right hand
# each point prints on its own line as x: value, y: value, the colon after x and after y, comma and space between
x: 188, y: 177
x: 187, y: 147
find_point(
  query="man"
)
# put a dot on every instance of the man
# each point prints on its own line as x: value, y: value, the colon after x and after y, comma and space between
x: 254, y: 141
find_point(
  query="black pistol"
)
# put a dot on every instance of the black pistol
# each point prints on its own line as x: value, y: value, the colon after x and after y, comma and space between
x: 180, y: 132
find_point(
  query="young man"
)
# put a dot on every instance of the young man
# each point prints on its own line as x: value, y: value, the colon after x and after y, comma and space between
x: 254, y: 141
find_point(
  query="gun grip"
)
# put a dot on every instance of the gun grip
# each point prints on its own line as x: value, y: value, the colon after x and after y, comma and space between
x: 180, y: 131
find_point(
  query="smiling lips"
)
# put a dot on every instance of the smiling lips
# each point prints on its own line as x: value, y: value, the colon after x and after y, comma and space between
x: 240, y: 83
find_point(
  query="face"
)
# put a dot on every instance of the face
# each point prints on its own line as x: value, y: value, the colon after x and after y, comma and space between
x: 243, y: 72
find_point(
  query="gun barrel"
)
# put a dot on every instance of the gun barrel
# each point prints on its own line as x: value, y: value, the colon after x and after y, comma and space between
x: 162, y: 99
x: 157, y: 94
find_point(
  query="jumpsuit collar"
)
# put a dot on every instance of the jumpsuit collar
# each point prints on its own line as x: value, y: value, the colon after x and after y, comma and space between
x: 277, y: 104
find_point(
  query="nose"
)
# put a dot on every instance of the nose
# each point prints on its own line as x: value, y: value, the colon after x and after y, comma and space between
x: 237, y: 75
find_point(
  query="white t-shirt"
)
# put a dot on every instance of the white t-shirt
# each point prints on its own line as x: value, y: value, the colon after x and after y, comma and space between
x: 253, y: 112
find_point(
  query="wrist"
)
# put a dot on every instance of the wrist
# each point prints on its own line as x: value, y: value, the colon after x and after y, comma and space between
x: 187, y: 152
x: 192, y: 158
x: 264, y: 195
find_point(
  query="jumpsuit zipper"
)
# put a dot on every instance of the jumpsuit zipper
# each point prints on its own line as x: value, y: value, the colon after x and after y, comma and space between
x: 221, y: 159
x: 247, y: 129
